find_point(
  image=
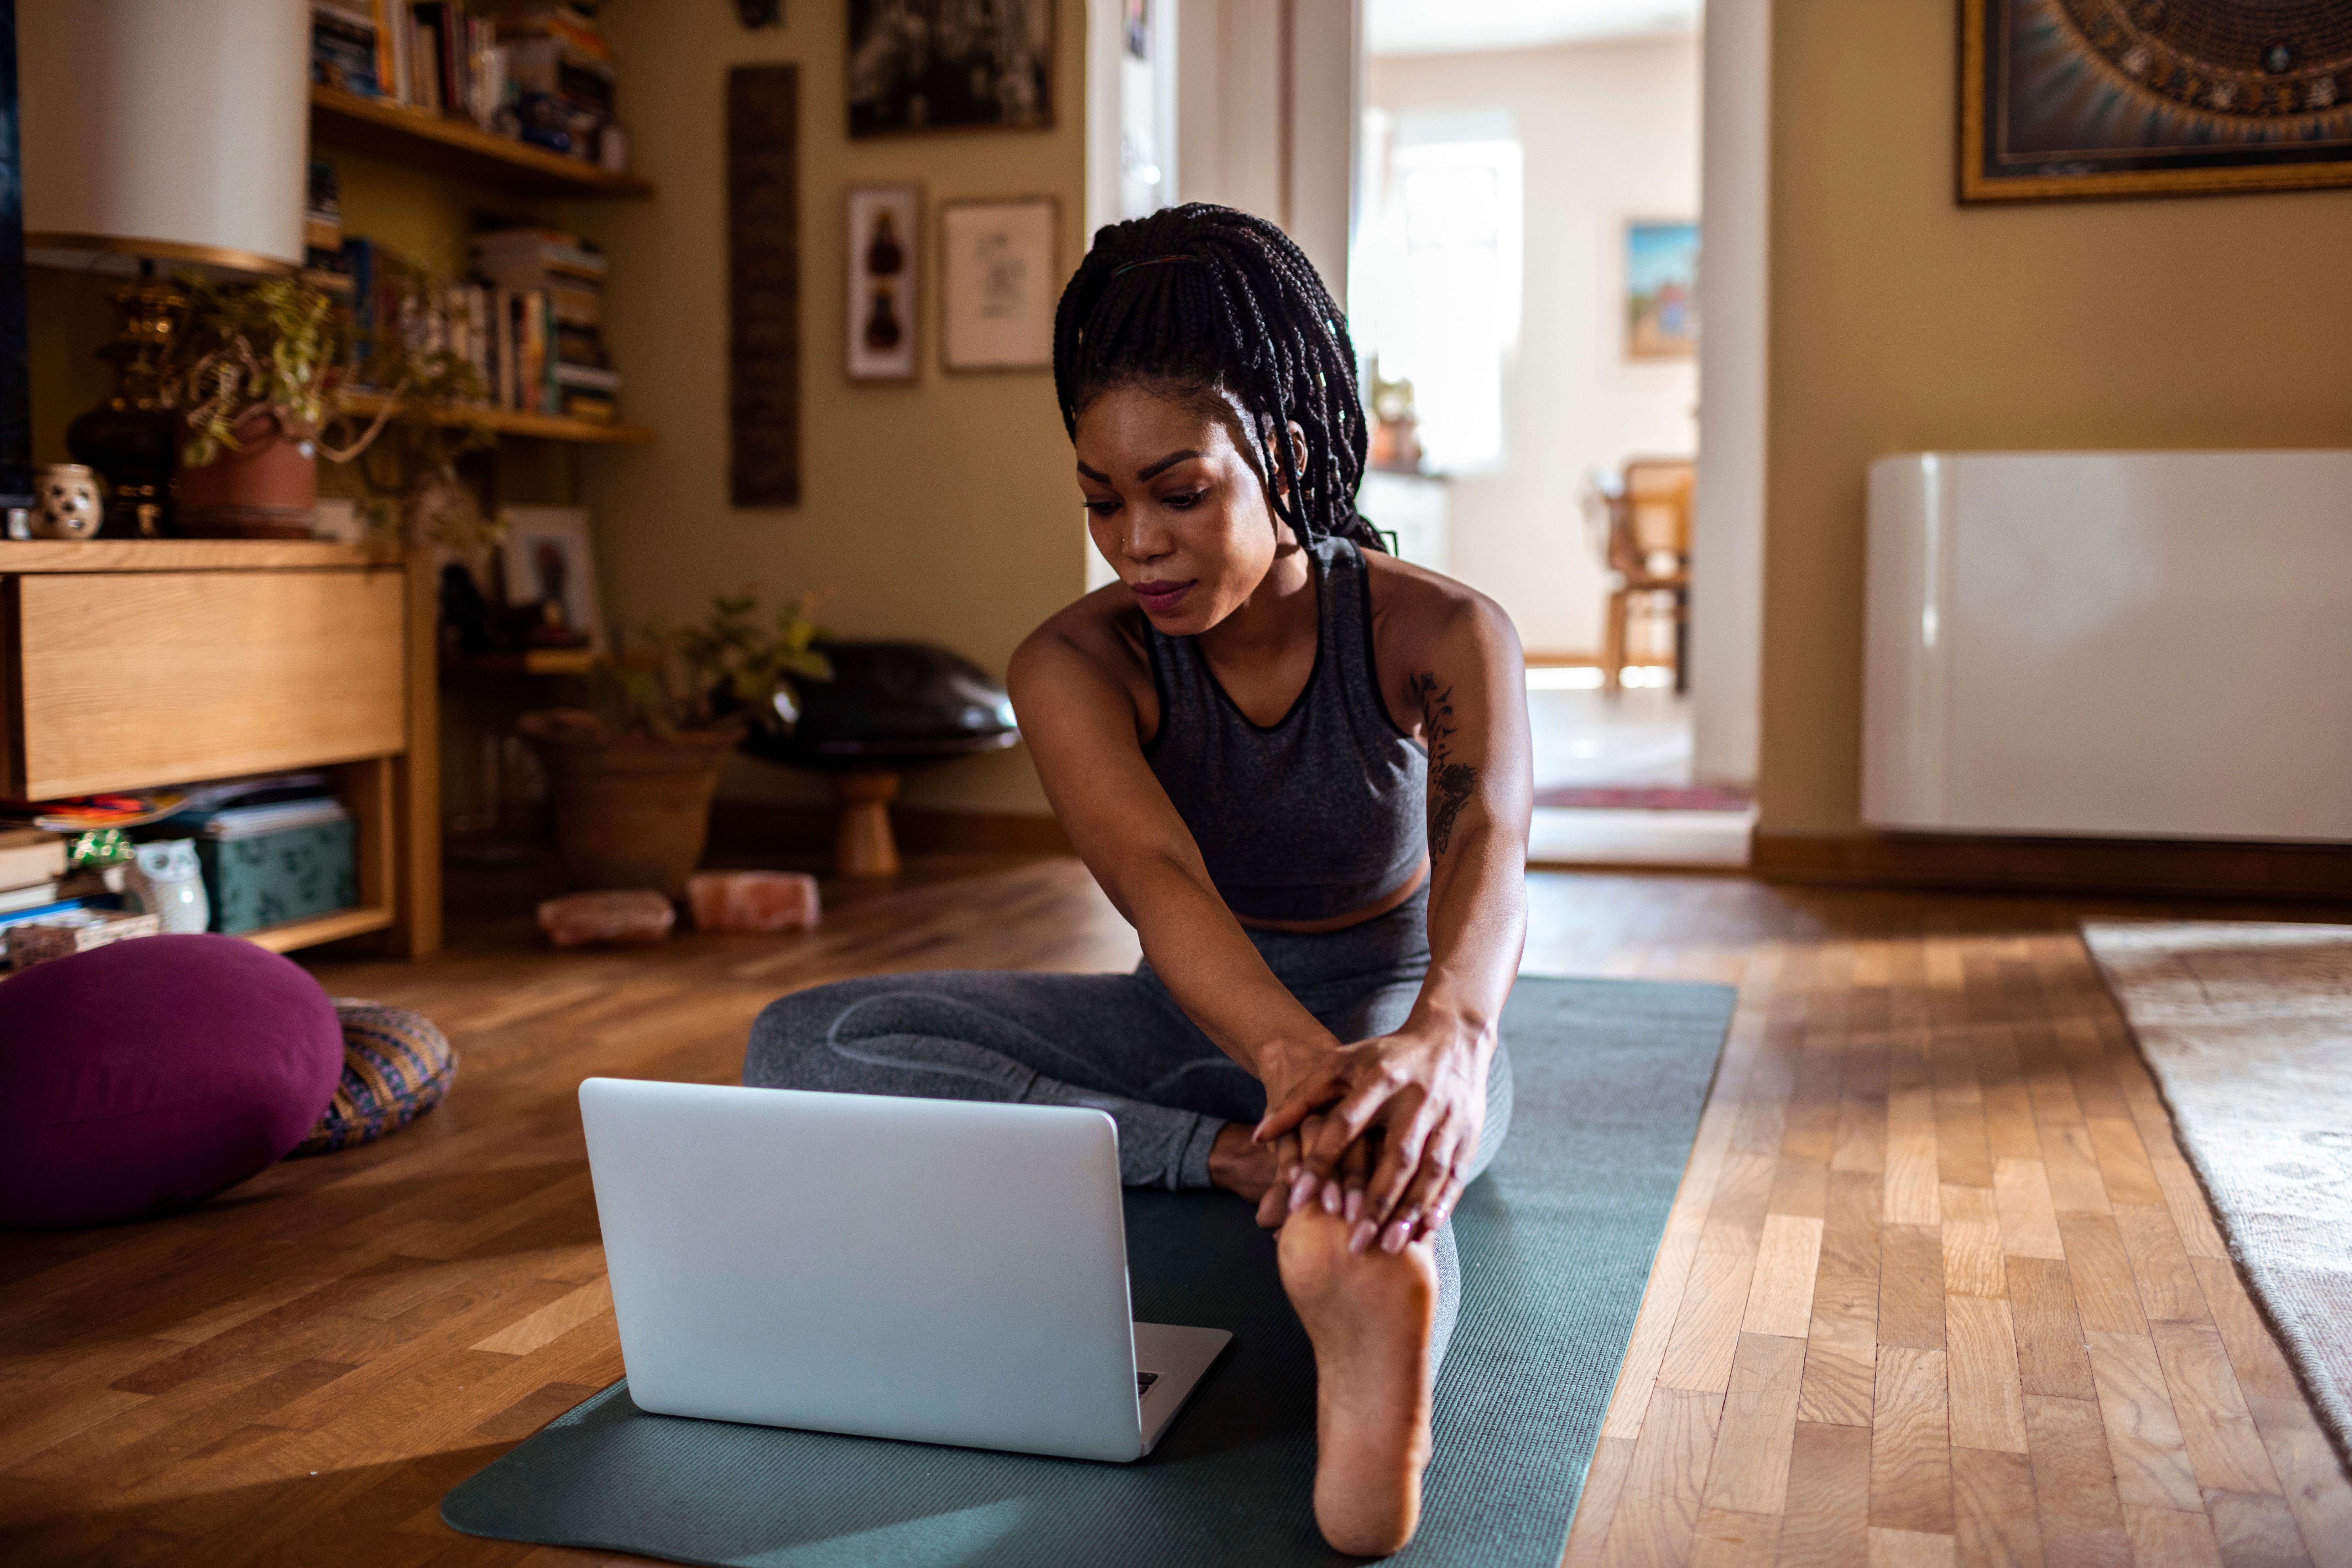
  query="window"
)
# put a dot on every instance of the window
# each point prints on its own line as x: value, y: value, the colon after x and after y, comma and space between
x: 1441, y: 270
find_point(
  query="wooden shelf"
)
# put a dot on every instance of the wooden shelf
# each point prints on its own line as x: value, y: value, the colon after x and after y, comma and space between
x: 185, y: 556
x: 426, y: 140
x: 509, y: 422
x: 527, y: 661
x: 318, y: 929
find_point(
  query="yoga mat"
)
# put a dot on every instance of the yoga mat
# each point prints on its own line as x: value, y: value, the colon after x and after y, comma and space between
x: 1557, y: 1240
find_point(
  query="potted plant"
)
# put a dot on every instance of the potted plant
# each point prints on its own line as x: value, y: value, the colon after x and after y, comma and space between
x: 264, y: 372
x: 632, y: 781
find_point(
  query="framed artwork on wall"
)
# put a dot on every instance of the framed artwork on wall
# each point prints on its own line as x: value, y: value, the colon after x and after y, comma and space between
x: 2065, y: 98
x: 885, y: 307
x: 949, y: 65
x: 547, y: 559
x: 998, y: 283
x: 1661, y: 290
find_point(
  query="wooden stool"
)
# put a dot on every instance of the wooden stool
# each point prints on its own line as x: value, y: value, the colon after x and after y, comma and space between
x: 864, y: 845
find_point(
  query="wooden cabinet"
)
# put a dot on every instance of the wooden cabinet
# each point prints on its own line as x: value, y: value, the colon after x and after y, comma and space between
x: 136, y: 663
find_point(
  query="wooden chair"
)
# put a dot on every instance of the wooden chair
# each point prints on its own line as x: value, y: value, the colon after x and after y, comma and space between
x: 1649, y: 550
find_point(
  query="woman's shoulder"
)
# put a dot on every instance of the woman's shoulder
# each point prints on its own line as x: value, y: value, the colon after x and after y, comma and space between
x: 1101, y: 634
x: 1414, y: 606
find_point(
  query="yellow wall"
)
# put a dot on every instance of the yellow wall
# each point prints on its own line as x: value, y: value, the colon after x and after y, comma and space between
x: 941, y: 510
x: 1902, y: 322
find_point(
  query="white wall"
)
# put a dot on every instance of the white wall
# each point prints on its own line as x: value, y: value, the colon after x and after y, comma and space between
x: 1611, y: 132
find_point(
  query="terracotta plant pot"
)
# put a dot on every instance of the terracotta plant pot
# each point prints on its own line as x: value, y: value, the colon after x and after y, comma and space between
x: 632, y: 813
x: 266, y: 488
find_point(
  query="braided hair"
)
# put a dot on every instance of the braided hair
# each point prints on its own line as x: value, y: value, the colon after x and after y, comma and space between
x: 1205, y: 300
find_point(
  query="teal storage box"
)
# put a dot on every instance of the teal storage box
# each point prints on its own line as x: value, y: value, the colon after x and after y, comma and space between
x: 269, y: 879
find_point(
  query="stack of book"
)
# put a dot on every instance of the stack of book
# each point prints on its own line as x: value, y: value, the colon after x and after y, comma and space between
x: 547, y: 307
x: 55, y: 907
x: 323, y: 227
x: 437, y: 316
x: 537, y: 70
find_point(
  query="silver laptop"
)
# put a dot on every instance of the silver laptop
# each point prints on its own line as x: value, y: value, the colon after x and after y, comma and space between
x: 927, y: 1270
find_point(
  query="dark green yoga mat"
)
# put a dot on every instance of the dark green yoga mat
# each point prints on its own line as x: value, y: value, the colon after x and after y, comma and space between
x: 1557, y: 1240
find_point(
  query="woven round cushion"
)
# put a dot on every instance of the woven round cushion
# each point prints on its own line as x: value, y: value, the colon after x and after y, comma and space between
x: 397, y: 1067
x: 145, y: 1076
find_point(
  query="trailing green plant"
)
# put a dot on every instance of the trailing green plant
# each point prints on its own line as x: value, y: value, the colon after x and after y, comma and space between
x: 285, y: 347
x: 276, y: 347
x: 735, y: 666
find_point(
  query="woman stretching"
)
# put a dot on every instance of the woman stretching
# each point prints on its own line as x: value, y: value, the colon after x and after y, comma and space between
x: 1301, y: 769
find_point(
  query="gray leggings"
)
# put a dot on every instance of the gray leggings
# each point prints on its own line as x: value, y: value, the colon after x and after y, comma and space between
x: 1116, y: 1042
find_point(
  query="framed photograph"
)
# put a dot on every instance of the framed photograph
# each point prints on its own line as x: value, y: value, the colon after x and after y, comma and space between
x: 949, y: 65
x: 1661, y: 290
x: 549, y: 559
x: 885, y: 301
x: 998, y: 283
x: 2065, y: 98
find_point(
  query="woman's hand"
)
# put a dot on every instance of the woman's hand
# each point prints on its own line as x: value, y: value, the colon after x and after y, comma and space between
x: 1417, y: 1099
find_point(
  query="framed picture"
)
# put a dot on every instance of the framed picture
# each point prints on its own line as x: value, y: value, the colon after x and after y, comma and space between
x: 1661, y: 290
x: 949, y: 65
x: 549, y: 559
x: 998, y: 281
x: 2139, y: 97
x: 884, y: 292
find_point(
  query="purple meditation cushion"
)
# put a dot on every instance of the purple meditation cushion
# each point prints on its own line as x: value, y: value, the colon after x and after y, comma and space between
x: 146, y: 1076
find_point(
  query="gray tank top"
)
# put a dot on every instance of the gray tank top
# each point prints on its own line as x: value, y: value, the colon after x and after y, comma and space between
x: 1323, y: 811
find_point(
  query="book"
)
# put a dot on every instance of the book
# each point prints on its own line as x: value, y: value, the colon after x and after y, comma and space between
x: 343, y: 49
x: 586, y: 377
x: 77, y: 932
x: 31, y: 896
x: 39, y: 857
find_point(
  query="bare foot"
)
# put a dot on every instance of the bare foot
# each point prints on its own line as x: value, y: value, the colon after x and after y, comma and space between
x: 1239, y: 1163
x: 1369, y: 1316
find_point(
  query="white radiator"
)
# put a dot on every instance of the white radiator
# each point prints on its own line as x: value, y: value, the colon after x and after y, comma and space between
x: 2129, y: 644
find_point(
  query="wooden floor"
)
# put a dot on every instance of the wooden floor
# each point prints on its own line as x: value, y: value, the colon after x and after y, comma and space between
x: 1937, y: 1288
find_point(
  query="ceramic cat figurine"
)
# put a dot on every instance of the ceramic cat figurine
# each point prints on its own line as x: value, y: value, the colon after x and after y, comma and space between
x: 168, y: 884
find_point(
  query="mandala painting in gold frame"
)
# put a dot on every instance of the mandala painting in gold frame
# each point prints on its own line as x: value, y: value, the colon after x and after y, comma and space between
x: 2126, y: 97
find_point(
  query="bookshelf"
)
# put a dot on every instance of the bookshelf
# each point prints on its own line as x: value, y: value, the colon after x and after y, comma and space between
x: 424, y: 139
x: 513, y: 422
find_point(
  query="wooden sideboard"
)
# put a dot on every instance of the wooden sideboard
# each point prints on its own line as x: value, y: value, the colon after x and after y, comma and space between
x: 132, y: 663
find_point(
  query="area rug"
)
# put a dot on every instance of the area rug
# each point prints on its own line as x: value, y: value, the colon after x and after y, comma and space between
x: 1645, y: 797
x: 1556, y: 1241
x: 2248, y: 1029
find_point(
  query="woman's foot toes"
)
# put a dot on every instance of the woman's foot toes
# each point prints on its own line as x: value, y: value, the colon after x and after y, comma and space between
x: 1370, y: 1315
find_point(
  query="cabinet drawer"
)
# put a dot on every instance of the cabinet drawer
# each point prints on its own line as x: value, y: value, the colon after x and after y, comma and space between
x: 129, y: 678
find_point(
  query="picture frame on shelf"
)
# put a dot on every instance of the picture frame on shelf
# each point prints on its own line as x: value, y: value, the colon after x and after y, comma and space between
x: 2062, y: 100
x: 999, y: 278
x: 949, y: 65
x: 884, y: 310
x: 549, y: 557
x: 1661, y: 261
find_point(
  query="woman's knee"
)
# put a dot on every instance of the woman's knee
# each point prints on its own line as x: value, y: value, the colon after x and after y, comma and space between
x: 788, y: 1038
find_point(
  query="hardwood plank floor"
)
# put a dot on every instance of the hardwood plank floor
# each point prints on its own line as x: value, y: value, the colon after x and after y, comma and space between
x: 1937, y: 1288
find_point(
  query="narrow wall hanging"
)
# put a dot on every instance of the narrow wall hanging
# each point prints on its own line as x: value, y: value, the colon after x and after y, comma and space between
x: 763, y: 285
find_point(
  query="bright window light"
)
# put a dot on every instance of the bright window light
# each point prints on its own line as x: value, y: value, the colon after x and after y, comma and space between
x: 1440, y: 265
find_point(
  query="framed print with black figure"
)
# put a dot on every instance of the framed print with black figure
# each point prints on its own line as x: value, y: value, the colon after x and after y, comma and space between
x: 2065, y: 98
x: 885, y: 308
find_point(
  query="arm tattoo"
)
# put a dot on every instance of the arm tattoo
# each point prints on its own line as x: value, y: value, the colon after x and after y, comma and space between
x: 1450, y: 783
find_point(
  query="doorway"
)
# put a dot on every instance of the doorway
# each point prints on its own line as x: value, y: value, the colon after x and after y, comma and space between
x: 1524, y: 288
x: 1506, y: 201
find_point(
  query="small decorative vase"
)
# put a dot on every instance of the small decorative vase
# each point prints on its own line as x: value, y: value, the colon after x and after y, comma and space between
x: 66, y: 503
x: 169, y: 885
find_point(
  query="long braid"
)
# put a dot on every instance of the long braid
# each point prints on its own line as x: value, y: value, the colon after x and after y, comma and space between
x: 1208, y: 298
